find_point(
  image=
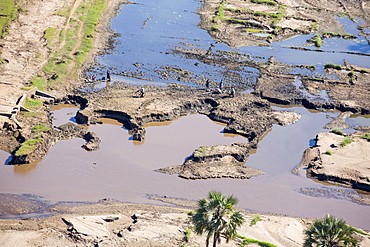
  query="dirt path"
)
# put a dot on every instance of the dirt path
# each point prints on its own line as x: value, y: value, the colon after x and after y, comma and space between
x: 25, y: 49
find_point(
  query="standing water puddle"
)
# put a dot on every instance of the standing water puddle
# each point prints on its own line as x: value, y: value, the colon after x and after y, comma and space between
x: 123, y: 170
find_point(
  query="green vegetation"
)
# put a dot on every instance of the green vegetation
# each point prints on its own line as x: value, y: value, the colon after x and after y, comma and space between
x: 50, y: 34
x: 317, y: 40
x: 187, y: 234
x: 330, y: 231
x: 366, y: 136
x: 64, y: 12
x: 363, y: 71
x: 201, y: 149
x: 268, y: 2
x: 215, y: 28
x: 315, y: 26
x: 332, y: 66
x: 28, y: 146
x: 8, y: 11
x: 247, y: 241
x: 254, y: 30
x: 220, y: 13
x: 191, y: 213
x: 336, y: 131
x: 359, y: 231
x: 32, y: 104
x: 216, y: 217
x: 346, y: 141
x: 58, y: 66
x: 329, y: 152
x: 255, y: 219
x: 40, y: 128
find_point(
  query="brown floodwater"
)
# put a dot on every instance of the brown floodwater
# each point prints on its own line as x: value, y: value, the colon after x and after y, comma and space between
x: 123, y: 170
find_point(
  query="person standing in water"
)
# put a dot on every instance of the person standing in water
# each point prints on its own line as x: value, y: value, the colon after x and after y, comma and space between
x: 108, y: 75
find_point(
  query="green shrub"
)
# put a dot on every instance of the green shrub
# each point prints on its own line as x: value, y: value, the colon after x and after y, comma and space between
x: 336, y: 131
x: 215, y: 28
x: 346, y: 141
x: 187, y: 234
x: 255, y: 219
x: 329, y: 152
x: 363, y: 71
x: 191, y: 213
x: 366, y: 136
x: 317, y: 40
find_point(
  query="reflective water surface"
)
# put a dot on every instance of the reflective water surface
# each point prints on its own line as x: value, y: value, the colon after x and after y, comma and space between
x: 123, y: 169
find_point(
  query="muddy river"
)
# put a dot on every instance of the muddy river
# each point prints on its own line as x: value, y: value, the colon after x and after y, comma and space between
x: 123, y: 169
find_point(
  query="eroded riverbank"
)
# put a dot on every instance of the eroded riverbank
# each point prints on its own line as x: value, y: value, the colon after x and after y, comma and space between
x: 125, y: 171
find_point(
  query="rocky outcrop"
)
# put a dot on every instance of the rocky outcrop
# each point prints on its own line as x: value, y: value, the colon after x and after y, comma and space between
x: 339, y: 122
x: 70, y: 130
x: 222, y: 161
x: 334, y: 162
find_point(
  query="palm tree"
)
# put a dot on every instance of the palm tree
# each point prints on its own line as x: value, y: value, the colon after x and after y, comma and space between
x: 330, y: 232
x: 216, y: 217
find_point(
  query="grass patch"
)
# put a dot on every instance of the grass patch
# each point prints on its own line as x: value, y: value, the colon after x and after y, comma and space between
x: 346, y: 141
x: 328, y: 152
x: 332, y: 66
x: 32, y: 104
x: 268, y: 2
x: 50, y: 34
x: 40, y: 128
x: 366, y: 136
x: 57, y: 67
x: 317, y: 40
x: 28, y: 146
x: 201, y: 150
x: 29, y: 113
x: 255, y: 219
x: 8, y: 12
x: 254, y: 30
x: 315, y: 26
x: 247, y: 241
x: 336, y: 131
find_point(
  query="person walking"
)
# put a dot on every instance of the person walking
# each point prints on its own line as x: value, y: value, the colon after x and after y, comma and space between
x: 221, y: 84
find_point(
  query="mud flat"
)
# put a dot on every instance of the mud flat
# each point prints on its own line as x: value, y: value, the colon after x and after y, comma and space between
x: 244, y: 114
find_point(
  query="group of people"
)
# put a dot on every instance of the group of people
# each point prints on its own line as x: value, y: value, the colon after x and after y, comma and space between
x: 141, y: 91
x: 93, y: 77
x: 219, y: 89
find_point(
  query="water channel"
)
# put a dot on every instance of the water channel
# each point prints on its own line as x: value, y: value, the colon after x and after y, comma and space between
x: 123, y: 169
